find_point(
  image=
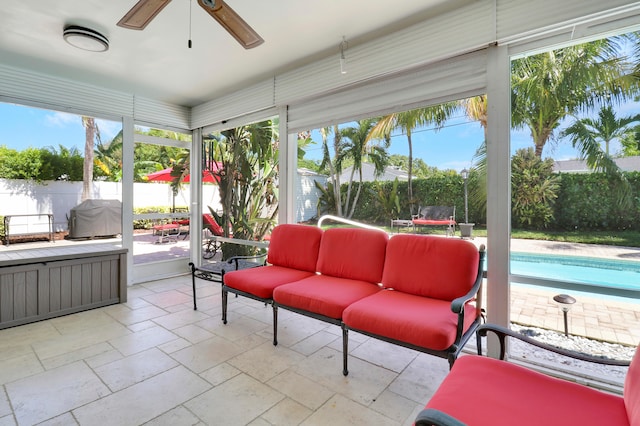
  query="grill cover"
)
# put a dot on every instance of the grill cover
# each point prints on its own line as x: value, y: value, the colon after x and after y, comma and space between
x: 95, y: 218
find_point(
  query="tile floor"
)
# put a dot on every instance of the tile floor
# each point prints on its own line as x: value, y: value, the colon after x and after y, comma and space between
x: 156, y: 361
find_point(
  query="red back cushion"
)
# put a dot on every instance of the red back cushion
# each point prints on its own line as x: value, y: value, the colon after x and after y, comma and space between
x: 436, y: 267
x: 354, y: 253
x: 295, y: 246
x: 211, y: 223
x: 632, y: 390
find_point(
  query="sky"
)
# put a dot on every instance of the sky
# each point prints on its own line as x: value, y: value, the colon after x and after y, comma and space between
x: 24, y: 127
x: 452, y: 147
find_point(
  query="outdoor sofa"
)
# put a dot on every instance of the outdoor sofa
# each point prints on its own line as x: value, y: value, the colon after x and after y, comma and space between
x: 417, y: 291
x: 483, y: 391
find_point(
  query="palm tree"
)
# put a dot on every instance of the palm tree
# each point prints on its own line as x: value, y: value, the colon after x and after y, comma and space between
x: 108, y: 158
x: 92, y: 133
x: 476, y: 110
x: 588, y: 134
x: 335, y: 165
x: 407, y: 121
x: 247, y: 176
x: 549, y: 86
x: 357, y: 147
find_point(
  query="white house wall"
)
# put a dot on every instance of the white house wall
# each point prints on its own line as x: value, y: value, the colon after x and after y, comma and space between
x: 58, y: 197
x: 307, y: 196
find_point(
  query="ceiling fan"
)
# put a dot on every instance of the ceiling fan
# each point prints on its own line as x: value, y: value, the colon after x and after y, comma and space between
x: 145, y: 10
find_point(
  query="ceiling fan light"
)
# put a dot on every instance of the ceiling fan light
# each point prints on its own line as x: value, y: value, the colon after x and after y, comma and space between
x: 85, y: 39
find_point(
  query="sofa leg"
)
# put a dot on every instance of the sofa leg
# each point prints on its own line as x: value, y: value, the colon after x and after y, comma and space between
x: 275, y: 324
x: 451, y: 358
x: 345, y: 350
x: 225, y: 297
x: 193, y: 285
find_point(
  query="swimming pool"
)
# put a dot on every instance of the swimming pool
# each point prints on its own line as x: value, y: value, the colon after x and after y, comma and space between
x: 597, y: 272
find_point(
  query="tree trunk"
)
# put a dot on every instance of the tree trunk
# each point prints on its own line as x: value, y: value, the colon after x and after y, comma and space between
x: 409, y: 174
x: 91, y: 129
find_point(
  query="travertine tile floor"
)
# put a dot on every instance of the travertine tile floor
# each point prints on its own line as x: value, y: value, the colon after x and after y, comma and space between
x: 156, y: 361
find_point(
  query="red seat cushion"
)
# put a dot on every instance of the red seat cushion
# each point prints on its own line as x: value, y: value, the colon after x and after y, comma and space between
x: 166, y: 226
x: 210, y: 222
x: 354, y: 253
x: 421, y: 321
x: 433, y: 221
x: 429, y: 266
x: 482, y: 391
x: 632, y: 390
x: 324, y: 295
x: 295, y: 246
x: 262, y: 280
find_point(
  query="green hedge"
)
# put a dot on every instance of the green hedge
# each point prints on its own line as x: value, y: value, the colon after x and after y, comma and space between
x: 148, y: 223
x: 444, y: 189
x: 586, y: 201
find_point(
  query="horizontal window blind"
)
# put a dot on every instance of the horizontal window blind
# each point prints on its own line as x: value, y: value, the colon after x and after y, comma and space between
x: 451, y: 79
x: 467, y: 29
x: 528, y: 27
x: 31, y: 88
x: 250, y: 99
x: 61, y: 94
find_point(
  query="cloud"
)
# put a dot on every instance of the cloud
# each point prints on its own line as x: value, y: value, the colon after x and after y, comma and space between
x: 108, y: 129
x: 61, y: 119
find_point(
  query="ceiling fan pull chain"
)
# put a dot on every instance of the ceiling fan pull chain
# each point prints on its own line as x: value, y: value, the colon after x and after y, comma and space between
x: 190, y: 8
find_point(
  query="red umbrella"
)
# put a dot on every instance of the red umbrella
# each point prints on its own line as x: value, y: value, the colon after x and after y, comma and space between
x: 165, y: 175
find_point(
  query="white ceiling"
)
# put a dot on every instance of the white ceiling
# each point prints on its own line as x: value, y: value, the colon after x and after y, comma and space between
x: 156, y: 62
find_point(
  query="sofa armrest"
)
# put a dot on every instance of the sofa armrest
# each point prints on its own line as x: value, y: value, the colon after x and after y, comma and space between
x: 433, y: 417
x: 243, y: 262
x: 457, y: 305
x: 502, y: 333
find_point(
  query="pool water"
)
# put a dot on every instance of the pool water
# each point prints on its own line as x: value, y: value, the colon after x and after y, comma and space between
x: 624, y: 274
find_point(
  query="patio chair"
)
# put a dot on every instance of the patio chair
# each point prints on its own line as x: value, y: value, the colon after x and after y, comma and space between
x: 481, y: 391
x: 210, y: 246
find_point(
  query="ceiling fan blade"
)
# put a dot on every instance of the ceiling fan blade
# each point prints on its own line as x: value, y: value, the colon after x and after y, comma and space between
x: 232, y: 22
x: 142, y: 13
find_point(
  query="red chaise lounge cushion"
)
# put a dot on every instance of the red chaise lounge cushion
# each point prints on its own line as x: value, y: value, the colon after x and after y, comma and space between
x: 482, y: 391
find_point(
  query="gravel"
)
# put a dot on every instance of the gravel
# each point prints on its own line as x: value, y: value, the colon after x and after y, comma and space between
x: 575, y: 343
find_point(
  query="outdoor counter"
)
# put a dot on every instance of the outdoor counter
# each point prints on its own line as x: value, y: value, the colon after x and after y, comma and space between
x: 49, y: 282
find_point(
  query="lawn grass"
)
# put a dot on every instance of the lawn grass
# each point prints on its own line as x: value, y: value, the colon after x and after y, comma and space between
x: 625, y: 238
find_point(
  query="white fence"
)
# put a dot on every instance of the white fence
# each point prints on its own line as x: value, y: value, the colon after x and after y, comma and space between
x: 19, y: 197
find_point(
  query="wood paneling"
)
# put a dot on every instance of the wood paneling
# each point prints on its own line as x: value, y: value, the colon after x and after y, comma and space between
x: 59, y: 286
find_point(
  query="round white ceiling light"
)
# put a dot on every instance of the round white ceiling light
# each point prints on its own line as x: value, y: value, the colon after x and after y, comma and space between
x: 85, y: 39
